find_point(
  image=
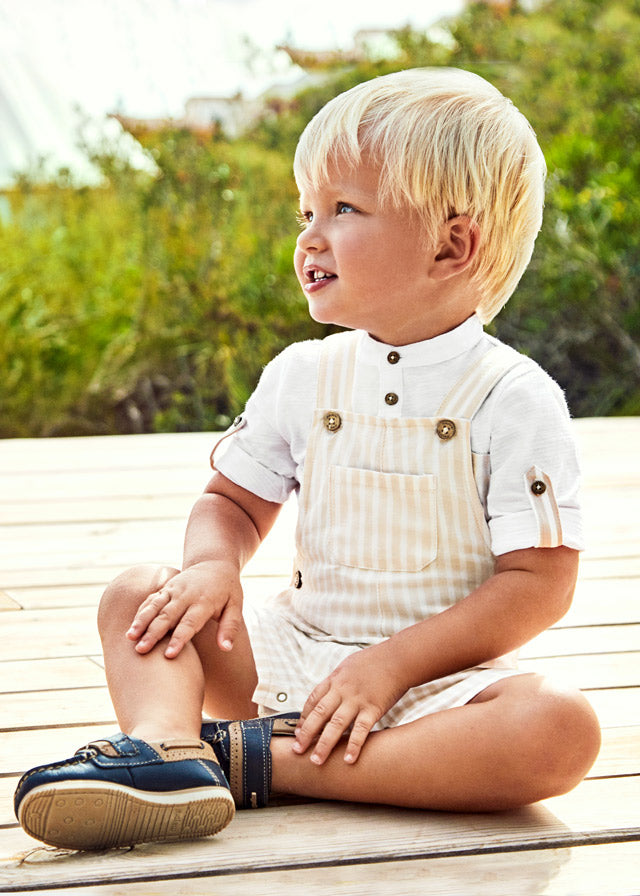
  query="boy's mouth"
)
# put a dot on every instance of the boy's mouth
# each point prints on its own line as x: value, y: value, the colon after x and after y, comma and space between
x: 317, y: 275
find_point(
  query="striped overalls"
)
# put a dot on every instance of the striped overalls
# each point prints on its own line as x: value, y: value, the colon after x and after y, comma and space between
x: 390, y: 531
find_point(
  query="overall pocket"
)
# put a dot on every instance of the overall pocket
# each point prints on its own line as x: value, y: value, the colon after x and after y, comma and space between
x: 382, y: 521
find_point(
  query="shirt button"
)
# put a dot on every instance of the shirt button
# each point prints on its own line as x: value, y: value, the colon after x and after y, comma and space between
x: 538, y: 487
x: 393, y: 357
x: 297, y: 579
x: 332, y: 421
x: 445, y: 429
x: 282, y: 697
x: 391, y: 398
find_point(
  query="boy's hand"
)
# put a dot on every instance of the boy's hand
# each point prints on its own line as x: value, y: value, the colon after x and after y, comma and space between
x: 355, y: 696
x: 205, y: 591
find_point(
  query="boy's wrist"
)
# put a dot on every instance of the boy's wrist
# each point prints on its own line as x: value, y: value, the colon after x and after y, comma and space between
x: 395, y: 658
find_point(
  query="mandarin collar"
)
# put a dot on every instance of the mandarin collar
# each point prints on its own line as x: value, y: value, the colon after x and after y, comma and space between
x: 430, y: 351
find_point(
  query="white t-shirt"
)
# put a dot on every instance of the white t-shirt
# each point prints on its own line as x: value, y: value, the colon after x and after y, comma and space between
x: 524, y: 422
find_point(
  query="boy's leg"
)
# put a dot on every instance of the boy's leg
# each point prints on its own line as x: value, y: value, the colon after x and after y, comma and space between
x: 157, y: 780
x: 157, y: 698
x: 519, y: 741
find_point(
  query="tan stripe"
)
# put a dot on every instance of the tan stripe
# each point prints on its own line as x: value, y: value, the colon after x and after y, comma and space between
x: 546, y: 510
x: 236, y: 761
x: 476, y: 382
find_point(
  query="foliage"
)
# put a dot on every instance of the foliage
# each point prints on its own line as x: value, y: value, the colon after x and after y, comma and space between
x: 152, y: 302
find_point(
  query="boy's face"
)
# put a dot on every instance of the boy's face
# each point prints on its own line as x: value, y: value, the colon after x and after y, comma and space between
x: 367, y: 266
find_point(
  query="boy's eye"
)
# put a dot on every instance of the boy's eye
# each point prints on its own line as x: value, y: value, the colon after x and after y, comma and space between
x: 304, y: 218
x: 344, y: 208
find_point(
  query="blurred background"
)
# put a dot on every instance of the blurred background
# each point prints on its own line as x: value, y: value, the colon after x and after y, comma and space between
x: 147, y: 205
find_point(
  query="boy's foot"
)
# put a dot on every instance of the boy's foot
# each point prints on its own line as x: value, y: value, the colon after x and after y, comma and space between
x: 243, y: 751
x: 121, y: 790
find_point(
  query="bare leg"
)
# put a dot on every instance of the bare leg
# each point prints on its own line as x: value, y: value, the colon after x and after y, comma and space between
x: 156, y: 698
x: 519, y: 741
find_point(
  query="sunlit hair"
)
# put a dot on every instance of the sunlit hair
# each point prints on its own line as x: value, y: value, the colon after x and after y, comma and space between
x: 447, y: 143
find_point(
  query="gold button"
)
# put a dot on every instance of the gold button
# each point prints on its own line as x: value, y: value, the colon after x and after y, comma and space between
x: 446, y: 429
x: 391, y: 398
x: 393, y: 357
x: 538, y: 487
x: 332, y: 421
x: 281, y: 697
x: 297, y: 579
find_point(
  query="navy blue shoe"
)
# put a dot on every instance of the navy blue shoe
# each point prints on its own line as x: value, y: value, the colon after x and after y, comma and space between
x: 121, y: 790
x: 243, y: 751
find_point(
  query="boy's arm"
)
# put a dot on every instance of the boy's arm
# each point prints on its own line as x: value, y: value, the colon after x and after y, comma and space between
x: 529, y: 591
x: 226, y: 526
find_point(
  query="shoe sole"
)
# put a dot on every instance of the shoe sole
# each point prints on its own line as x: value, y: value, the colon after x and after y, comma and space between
x: 93, y: 815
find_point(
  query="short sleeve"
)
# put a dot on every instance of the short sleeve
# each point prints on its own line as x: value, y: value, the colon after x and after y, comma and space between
x: 265, y: 455
x: 533, y: 495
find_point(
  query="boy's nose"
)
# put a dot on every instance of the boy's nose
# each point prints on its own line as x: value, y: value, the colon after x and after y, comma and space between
x: 311, y: 239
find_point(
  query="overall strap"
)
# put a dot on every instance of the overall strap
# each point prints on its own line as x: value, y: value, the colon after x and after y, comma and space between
x: 475, y: 384
x: 336, y: 370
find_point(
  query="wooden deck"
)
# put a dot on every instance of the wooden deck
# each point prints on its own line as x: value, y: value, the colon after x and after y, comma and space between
x: 74, y: 512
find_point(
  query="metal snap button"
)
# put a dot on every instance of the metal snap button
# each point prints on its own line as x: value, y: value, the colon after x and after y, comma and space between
x: 445, y: 429
x: 281, y: 697
x: 297, y: 579
x: 538, y: 487
x: 332, y: 421
x: 391, y: 398
x: 393, y: 357
x: 237, y: 421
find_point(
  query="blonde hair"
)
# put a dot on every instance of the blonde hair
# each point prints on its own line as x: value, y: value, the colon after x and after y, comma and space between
x: 447, y: 143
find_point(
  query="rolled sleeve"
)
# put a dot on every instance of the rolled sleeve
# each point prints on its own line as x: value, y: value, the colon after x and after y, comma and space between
x: 533, y: 496
x: 266, y: 454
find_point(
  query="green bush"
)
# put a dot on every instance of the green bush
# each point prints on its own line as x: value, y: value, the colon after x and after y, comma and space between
x: 153, y: 301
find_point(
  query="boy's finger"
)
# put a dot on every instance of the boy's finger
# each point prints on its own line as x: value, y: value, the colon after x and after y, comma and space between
x: 318, y: 709
x: 187, y: 627
x: 359, y: 733
x: 165, y: 619
x: 331, y: 735
x: 229, y: 626
x: 147, y: 611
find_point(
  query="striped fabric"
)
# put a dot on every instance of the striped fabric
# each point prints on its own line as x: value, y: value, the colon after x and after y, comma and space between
x: 545, y: 508
x: 390, y: 531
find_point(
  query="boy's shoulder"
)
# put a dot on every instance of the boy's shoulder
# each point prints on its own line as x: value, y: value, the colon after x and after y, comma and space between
x: 526, y: 383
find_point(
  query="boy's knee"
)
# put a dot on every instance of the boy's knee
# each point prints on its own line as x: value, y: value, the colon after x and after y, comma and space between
x: 131, y: 588
x: 566, y: 740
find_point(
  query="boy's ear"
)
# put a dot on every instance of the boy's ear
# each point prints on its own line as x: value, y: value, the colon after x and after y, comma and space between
x: 458, y: 244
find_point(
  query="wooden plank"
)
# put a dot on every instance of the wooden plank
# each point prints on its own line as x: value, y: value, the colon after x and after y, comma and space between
x: 50, y: 709
x: 619, y: 754
x: 182, y: 483
x: 332, y: 834
x: 43, y: 634
x: 616, y: 670
x: 102, y: 507
x: 599, y: 602
x: 584, y: 639
x: 615, y: 707
x: 74, y: 545
x: 39, y: 597
x: 22, y: 749
x: 608, y: 569
x: 79, y: 453
x: 60, y: 673
x: 610, y: 869
x: 59, y: 575
x: 7, y: 602
x: 56, y: 596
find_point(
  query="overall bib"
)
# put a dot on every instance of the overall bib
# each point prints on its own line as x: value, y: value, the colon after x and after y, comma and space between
x: 391, y: 531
